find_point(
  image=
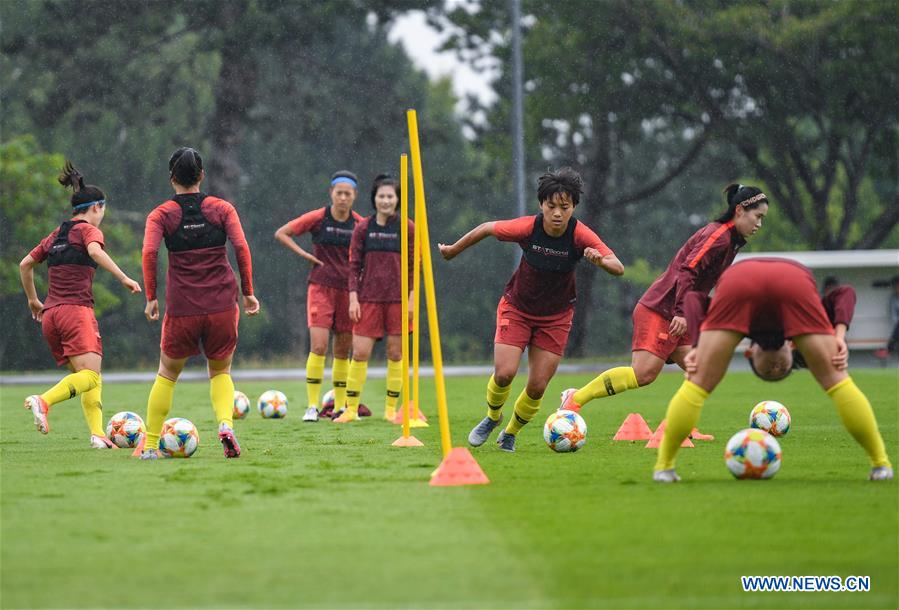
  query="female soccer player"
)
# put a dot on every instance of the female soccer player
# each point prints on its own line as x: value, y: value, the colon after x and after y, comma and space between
x: 538, y: 304
x: 375, y: 300
x: 660, y: 327
x: 72, y: 253
x: 769, y: 300
x: 327, y: 298
x: 201, y: 294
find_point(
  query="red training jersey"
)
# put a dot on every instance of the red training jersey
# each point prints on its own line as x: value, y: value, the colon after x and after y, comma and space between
x: 69, y: 284
x: 839, y: 304
x: 199, y: 280
x: 695, y: 268
x: 330, y: 244
x: 375, y: 262
x: 544, y: 282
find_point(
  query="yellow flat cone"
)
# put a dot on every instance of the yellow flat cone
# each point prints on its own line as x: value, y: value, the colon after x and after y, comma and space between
x: 418, y: 423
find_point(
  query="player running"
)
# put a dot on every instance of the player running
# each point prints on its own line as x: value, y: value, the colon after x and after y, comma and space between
x: 73, y: 252
x: 376, y: 305
x: 661, y: 332
x: 201, y: 294
x: 537, y: 306
x: 327, y: 298
x: 769, y: 300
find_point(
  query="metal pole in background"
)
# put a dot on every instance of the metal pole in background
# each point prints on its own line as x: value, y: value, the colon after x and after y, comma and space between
x: 517, y: 113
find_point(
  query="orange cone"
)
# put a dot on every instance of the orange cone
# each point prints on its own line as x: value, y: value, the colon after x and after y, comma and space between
x: 656, y: 439
x: 696, y: 435
x: 407, y: 441
x: 634, y: 428
x: 458, y: 468
x: 398, y: 418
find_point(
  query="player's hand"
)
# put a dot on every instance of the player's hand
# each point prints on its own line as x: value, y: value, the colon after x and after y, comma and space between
x: 678, y: 326
x: 447, y: 252
x: 355, y: 310
x: 152, y: 310
x: 316, y: 262
x: 250, y: 305
x: 131, y: 285
x: 690, y: 363
x: 841, y: 359
x: 593, y: 255
x: 37, y: 309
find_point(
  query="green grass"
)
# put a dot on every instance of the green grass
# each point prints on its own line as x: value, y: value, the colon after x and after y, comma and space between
x: 320, y: 515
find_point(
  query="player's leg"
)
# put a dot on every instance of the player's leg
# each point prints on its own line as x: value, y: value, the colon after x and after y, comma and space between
x: 343, y: 342
x: 362, y: 347
x: 506, y: 359
x: 159, y: 403
x: 713, y: 355
x: 221, y: 392
x: 852, y: 405
x: 542, y: 365
x: 315, y: 366
x: 394, y: 374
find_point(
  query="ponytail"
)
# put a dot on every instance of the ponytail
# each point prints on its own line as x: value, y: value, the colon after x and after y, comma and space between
x: 747, y: 197
x: 384, y: 180
x: 185, y: 166
x: 83, y: 195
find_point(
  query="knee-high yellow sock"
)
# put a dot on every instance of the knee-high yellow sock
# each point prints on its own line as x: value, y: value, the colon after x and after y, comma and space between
x: 858, y: 418
x: 158, y: 406
x: 71, y: 386
x: 608, y: 383
x: 339, y: 370
x: 496, y: 398
x: 315, y: 371
x: 355, y: 381
x: 394, y: 385
x: 683, y: 413
x: 221, y: 391
x: 525, y: 410
x: 92, y: 406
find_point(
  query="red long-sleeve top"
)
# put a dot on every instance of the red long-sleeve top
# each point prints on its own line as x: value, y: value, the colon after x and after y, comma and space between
x: 375, y: 273
x: 839, y: 304
x: 198, y: 281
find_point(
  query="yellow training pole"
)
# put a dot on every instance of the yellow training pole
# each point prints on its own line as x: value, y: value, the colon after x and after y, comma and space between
x: 421, y: 227
x: 416, y: 316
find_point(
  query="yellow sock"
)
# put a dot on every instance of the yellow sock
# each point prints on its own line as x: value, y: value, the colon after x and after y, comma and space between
x: 394, y: 385
x: 71, y: 386
x: 158, y: 406
x: 354, y: 383
x: 496, y: 398
x: 858, y: 418
x: 339, y: 370
x: 608, y: 383
x: 315, y: 371
x: 525, y: 410
x: 92, y: 406
x: 221, y: 390
x: 683, y: 413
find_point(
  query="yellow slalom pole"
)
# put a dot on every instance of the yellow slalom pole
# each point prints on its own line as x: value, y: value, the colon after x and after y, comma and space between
x: 421, y: 227
x: 404, y: 283
x: 416, y: 315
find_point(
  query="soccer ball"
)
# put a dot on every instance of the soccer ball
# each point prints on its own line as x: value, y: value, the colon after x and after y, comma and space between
x: 125, y: 429
x: 273, y: 405
x: 179, y: 438
x: 752, y: 454
x: 565, y: 431
x: 770, y: 416
x: 328, y: 400
x: 241, y: 405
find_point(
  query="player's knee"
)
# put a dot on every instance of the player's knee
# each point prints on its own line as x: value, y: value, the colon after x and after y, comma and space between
x: 536, y: 389
x: 645, y: 377
x: 503, y: 378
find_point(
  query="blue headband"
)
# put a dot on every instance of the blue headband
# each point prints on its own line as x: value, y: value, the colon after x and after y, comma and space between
x: 343, y: 179
x: 88, y: 204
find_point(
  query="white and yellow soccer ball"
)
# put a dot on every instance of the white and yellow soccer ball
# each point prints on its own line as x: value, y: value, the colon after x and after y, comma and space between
x: 179, y: 438
x: 565, y: 431
x: 273, y: 405
x: 241, y: 405
x: 770, y: 416
x: 752, y: 454
x: 126, y: 429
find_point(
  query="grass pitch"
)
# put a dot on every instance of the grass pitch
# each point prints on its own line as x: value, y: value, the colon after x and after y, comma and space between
x: 320, y: 515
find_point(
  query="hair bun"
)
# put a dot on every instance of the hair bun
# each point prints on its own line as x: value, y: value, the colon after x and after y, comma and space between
x: 71, y: 177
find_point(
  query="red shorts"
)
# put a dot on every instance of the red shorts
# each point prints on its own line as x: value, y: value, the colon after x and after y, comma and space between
x: 376, y: 317
x: 651, y: 333
x: 214, y: 333
x: 71, y: 330
x: 515, y: 327
x: 328, y: 307
x: 767, y: 295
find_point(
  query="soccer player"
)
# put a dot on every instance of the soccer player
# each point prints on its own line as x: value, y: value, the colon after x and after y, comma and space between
x: 201, y: 294
x: 838, y: 301
x: 769, y: 300
x: 537, y: 306
x: 376, y: 305
x: 67, y: 319
x: 661, y: 332
x: 327, y: 298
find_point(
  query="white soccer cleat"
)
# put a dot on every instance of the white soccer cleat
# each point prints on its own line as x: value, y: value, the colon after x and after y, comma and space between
x: 881, y: 473
x: 101, y: 442
x: 311, y: 414
x: 665, y: 476
x: 40, y: 409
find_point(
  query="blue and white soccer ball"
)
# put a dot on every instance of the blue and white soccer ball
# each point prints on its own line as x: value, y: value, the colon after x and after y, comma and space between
x: 241, y: 405
x: 273, y: 405
x: 770, y: 416
x: 565, y: 431
x: 125, y: 429
x: 179, y: 438
x: 752, y: 454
